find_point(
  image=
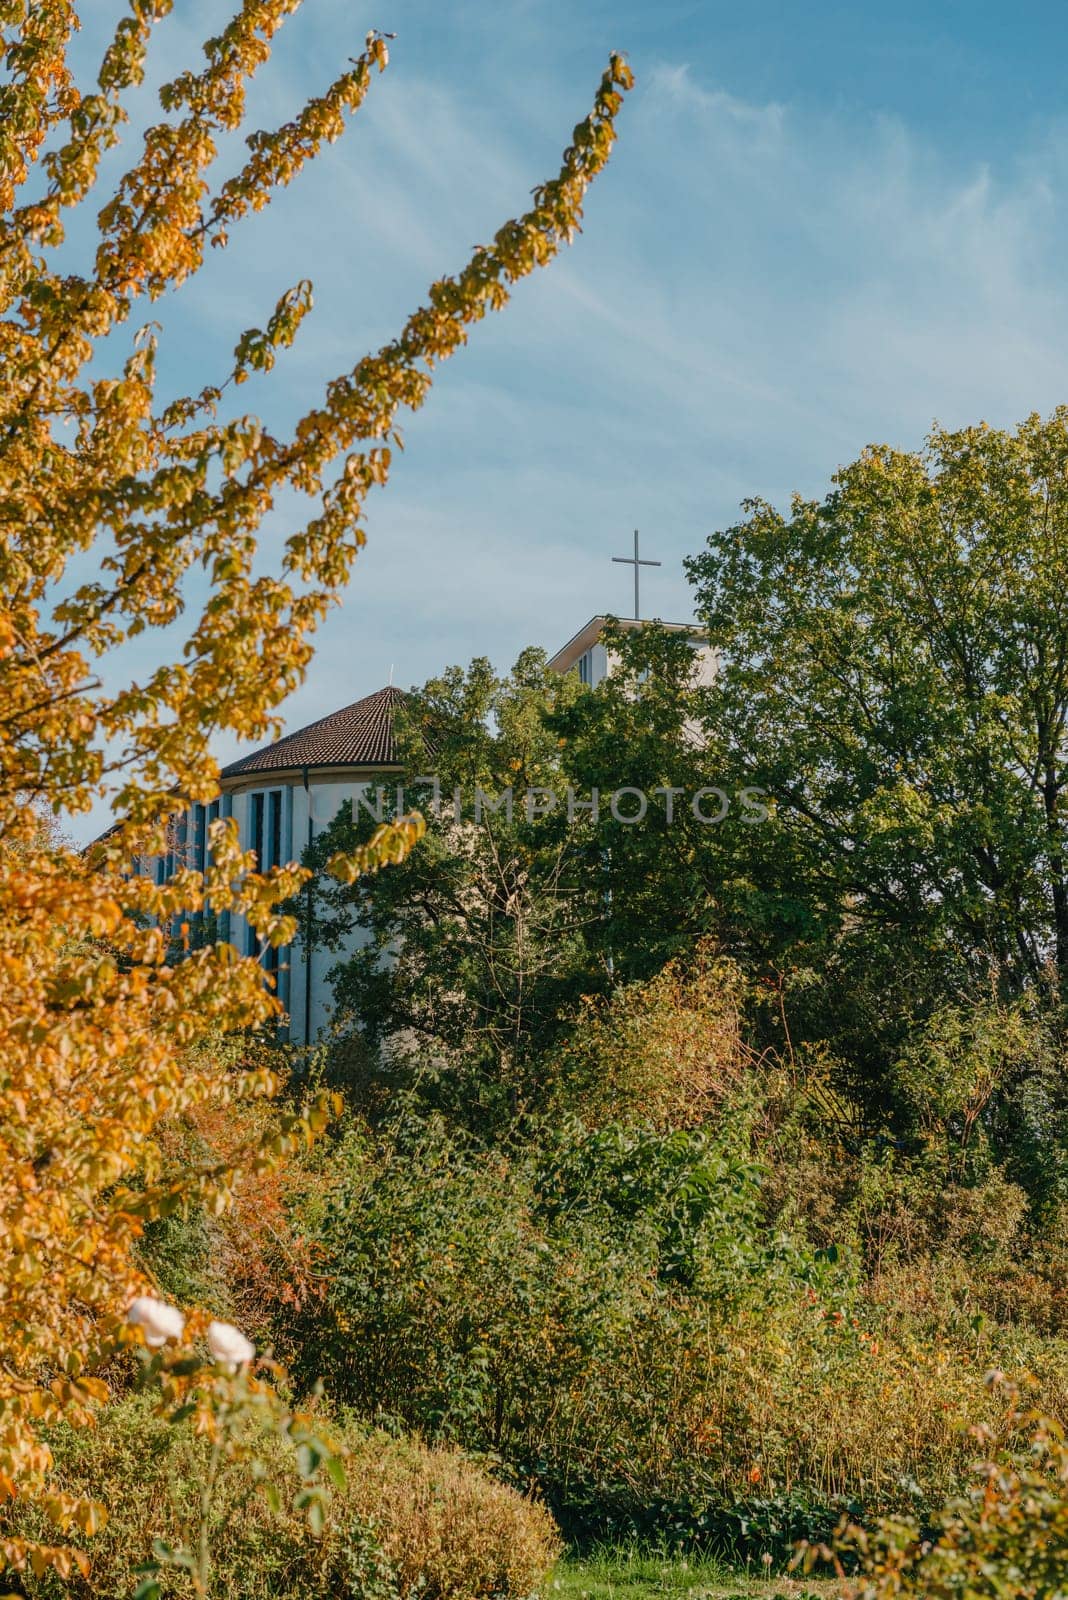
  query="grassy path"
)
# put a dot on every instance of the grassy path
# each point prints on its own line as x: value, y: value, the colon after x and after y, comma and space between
x: 623, y: 1575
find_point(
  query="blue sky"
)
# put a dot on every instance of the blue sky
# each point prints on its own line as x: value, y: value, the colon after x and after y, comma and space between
x: 824, y: 224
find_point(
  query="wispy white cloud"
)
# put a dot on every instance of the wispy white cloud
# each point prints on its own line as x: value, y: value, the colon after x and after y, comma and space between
x: 763, y: 286
x: 677, y: 85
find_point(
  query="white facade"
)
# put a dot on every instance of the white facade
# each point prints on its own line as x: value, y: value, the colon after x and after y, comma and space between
x: 289, y: 814
x: 278, y: 815
x: 589, y: 656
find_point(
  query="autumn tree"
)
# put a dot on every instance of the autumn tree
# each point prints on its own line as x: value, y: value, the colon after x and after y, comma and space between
x: 96, y: 467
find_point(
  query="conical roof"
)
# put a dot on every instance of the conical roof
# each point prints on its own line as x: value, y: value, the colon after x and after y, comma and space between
x: 360, y: 735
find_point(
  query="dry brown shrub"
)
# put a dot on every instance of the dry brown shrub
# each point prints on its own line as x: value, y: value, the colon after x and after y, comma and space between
x: 668, y: 1052
x: 446, y: 1529
x: 410, y: 1521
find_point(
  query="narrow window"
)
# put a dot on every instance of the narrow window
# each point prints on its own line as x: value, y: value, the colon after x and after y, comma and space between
x: 274, y: 859
x: 274, y: 829
x: 256, y: 844
x: 256, y: 830
x: 200, y: 831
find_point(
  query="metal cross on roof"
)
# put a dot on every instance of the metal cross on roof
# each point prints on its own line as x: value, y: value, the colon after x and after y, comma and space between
x: 635, y: 561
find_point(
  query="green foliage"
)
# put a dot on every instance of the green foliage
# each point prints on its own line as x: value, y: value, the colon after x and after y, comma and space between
x: 709, y: 1324
x: 576, y: 1304
x: 470, y: 1286
x: 895, y: 673
x: 967, y: 1079
x: 486, y: 924
x: 666, y: 884
x: 698, y: 1196
x: 1007, y: 1535
x: 179, y: 1250
x: 709, y: 1207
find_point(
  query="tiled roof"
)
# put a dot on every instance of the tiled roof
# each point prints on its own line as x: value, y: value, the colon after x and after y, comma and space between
x: 360, y: 735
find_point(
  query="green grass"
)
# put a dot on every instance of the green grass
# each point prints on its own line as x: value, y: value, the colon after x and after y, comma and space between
x: 635, y: 1575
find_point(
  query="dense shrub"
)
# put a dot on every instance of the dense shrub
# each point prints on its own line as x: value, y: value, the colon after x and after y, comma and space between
x: 716, y: 1334
x: 1007, y: 1534
x: 666, y: 1053
x: 481, y: 1292
x: 410, y: 1520
x: 670, y: 1338
x: 610, y: 1313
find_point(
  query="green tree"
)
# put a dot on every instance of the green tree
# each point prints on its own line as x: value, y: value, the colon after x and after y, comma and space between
x: 681, y: 868
x: 484, y: 940
x: 895, y: 673
x: 479, y: 943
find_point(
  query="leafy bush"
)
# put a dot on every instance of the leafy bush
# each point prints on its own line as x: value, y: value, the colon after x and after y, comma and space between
x: 409, y: 1521
x: 666, y: 1053
x: 734, y: 1531
x: 714, y: 1336
x: 480, y: 1293
x: 613, y: 1314
x: 608, y: 1313
x: 1006, y: 1535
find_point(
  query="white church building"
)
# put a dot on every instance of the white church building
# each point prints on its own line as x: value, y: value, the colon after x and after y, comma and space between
x: 286, y: 793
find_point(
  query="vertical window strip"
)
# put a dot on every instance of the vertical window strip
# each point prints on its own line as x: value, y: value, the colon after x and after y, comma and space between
x: 274, y: 857
x: 256, y: 844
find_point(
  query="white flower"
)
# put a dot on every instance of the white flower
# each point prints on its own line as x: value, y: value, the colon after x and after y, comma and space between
x: 229, y: 1345
x: 159, y: 1321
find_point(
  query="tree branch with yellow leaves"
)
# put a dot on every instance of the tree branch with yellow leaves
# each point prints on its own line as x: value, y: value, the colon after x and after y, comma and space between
x: 104, y: 1034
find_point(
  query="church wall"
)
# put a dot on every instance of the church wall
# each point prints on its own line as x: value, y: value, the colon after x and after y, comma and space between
x: 600, y: 664
x: 303, y: 981
x: 275, y: 817
x: 706, y: 663
x: 707, y: 666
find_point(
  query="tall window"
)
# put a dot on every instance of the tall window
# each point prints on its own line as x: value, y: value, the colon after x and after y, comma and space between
x: 274, y: 828
x: 274, y: 858
x: 256, y: 830
x: 265, y: 838
x: 585, y: 667
x: 256, y: 843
